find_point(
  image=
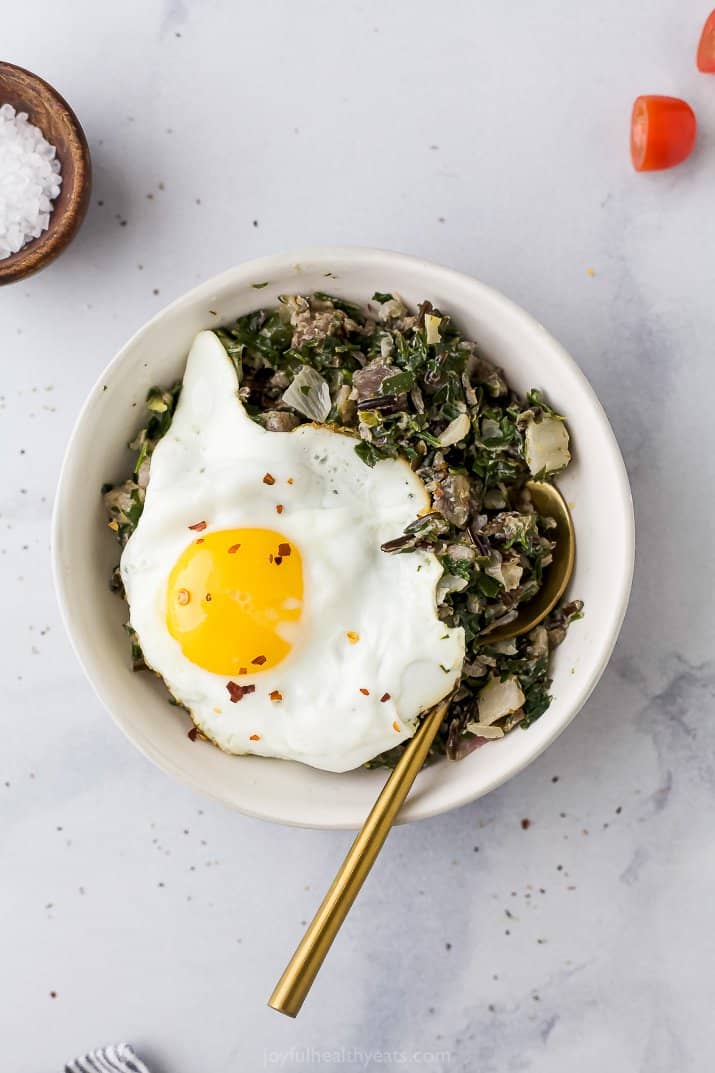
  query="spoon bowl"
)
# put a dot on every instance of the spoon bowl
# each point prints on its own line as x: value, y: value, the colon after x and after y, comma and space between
x: 46, y: 109
x: 549, y: 503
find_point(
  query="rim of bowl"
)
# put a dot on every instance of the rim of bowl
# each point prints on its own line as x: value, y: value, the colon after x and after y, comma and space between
x: 366, y: 257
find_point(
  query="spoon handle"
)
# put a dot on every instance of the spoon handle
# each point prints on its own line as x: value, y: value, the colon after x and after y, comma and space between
x: 296, y: 981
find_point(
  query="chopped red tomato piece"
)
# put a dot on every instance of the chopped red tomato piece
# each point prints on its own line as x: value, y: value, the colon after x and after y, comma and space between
x: 706, y: 48
x: 663, y: 132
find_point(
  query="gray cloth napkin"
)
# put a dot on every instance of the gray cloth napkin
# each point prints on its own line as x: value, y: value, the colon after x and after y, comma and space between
x: 119, y: 1059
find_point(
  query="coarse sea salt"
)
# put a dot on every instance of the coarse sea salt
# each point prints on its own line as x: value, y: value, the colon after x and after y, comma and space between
x: 29, y: 181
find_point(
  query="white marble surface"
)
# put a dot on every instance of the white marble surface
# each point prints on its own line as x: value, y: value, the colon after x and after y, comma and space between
x: 492, y: 137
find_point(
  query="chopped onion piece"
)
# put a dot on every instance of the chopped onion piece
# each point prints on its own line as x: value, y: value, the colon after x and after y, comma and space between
x: 393, y: 308
x: 493, y: 567
x: 484, y: 730
x: 462, y: 553
x: 505, y: 648
x: 498, y: 699
x: 386, y: 345
x: 432, y: 324
x: 506, y: 573
x: 309, y: 394
x: 491, y: 429
x: 450, y: 583
x: 500, y: 619
x: 546, y: 445
x: 511, y: 575
x: 455, y: 431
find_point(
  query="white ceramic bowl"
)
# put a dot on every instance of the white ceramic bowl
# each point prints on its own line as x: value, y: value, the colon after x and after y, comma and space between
x: 595, y: 485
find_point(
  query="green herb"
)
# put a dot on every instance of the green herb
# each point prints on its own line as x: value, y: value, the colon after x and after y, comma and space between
x: 395, y: 385
x: 368, y: 453
x: 487, y: 586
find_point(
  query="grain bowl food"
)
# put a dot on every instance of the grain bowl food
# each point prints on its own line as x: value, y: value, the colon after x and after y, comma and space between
x: 594, y: 484
x: 430, y: 544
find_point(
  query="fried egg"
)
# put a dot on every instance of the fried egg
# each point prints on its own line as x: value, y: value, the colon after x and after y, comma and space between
x: 259, y: 592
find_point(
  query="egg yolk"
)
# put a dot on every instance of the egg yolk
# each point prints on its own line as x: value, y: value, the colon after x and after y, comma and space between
x: 232, y: 599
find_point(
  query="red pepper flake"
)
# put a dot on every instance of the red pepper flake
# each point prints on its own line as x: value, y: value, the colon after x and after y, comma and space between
x: 279, y: 508
x: 233, y: 549
x: 198, y: 527
x: 525, y: 825
x: 199, y: 541
x: 193, y: 733
x: 277, y: 560
x: 365, y: 692
x: 254, y: 737
x: 237, y: 692
x: 275, y: 694
x: 352, y: 637
x: 183, y: 596
x: 268, y: 479
x: 242, y: 670
x: 384, y: 697
x: 396, y: 726
x: 284, y: 550
x: 259, y: 660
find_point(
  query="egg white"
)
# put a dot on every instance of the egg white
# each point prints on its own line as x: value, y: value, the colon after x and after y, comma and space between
x: 338, y: 511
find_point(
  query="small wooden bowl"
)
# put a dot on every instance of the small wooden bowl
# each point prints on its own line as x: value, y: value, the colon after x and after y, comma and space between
x: 60, y: 126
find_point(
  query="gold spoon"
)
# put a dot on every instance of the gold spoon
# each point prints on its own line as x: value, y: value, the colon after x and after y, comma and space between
x: 296, y: 981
